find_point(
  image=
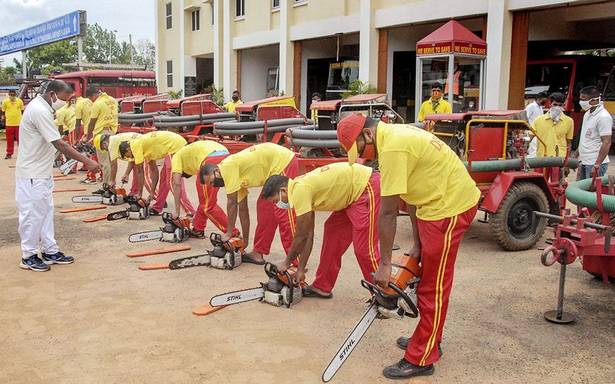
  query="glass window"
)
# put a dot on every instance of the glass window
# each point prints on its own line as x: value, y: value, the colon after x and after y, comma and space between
x: 169, y: 15
x: 240, y: 9
x: 275, y: 4
x: 433, y: 71
x: 549, y: 78
x: 196, y: 20
x: 169, y: 73
x: 341, y: 74
x: 273, y: 75
x: 466, y: 85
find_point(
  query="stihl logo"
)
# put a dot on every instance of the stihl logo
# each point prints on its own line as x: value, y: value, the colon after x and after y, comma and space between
x: 233, y: 298
x: 143, y: 236
x: 346, y: 349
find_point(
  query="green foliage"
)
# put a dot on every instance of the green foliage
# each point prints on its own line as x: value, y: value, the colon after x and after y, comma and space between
x: 100, y: 45
x: 358, y: 87
x: 176, y: 94
x: 217, y: 94
x: 55, y: 54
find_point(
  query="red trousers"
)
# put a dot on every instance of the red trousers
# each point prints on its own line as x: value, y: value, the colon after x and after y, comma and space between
x: 134, y: 186
x: 439, y: 244
x: 165, y: 184
x: 269, y: 218
x: 356, y: 224
x: 209, y: 209
x: 12, y: 135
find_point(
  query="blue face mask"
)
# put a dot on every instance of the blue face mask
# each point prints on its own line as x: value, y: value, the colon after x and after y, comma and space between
x: 282, y: 205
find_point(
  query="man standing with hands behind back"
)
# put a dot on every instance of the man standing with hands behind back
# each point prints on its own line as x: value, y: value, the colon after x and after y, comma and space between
x: 33, y: 178
x: 12, y: 107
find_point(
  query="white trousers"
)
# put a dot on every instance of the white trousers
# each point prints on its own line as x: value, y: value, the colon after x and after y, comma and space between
x: 34, y: 199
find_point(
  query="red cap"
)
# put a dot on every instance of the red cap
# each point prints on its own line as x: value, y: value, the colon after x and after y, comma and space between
x: 348, y: 129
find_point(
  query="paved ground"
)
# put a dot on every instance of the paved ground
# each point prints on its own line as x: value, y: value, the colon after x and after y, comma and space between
x: 101, y: 320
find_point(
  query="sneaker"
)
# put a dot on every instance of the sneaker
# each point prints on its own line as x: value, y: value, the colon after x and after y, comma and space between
x: 57, y: 258
x: 197, y: 234
x: 88, y: 181
x: 7, y: 157
x: 405, y: 370
x: 153, y: 212
x: 34, y: 263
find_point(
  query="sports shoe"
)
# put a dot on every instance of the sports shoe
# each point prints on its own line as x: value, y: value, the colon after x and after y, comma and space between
x: 7, y: 157
x: 196, y: 234
x: 34, y: 263
x: 153, y: 212
x: 404, y: 370
x: 57, y: 258
x: 88, y: 181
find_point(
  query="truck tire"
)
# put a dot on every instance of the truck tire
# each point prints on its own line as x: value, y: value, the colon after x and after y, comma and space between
x: 513, y: 225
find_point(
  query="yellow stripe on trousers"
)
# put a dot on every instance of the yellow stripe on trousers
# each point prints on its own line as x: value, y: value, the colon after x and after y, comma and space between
x: 439, y: 284
x: 372, y: 214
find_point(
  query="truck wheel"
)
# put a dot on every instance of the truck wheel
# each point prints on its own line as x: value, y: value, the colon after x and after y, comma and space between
x: 513, y: 225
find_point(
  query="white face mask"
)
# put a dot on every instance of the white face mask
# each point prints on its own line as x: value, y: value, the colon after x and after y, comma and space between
x: 57, y: 103
x: 585, y: 105
x: 280, y: 204
x: 556, y: 112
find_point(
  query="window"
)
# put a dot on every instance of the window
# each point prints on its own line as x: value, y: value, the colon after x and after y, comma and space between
x: 299, y: 2
x: 169, y: 15
x: 275, y: 4
x: 240, y: 8
x: 169, y: 73
x: 196, y: 20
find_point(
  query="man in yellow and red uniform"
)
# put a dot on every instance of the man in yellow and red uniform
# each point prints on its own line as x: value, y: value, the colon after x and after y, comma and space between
x: 65, y: 120
x: 149, y: 148
x: 250, y: 168
x: 424, y: 172
x: 12, y: 109
x: 352, y: 192
x: 435, y: 104
x: 186, y: 163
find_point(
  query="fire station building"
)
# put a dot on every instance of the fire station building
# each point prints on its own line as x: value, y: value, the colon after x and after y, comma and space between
x: 298, y: 47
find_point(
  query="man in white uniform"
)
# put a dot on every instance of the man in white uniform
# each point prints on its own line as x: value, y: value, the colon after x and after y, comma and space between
x: 533, y: 111
x: 596, y: 131
x: 39, y: 140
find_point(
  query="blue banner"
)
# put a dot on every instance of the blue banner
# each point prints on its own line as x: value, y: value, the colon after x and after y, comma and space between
x: 60, y: 28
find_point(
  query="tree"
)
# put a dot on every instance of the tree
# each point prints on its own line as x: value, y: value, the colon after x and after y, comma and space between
x: 145, y: 53
x: 101, y: 45
x: 358, y: 87
x: 54, y: 55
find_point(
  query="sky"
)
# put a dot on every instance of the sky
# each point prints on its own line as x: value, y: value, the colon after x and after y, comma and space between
x: 134, y: 17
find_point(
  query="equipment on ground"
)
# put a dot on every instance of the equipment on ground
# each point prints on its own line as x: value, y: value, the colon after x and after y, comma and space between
x: 279, y: 290
x: 137, y: 210
x: 224, y: 255
x: 109, y: 196
x: 173, y: 231
x: 397, y: 301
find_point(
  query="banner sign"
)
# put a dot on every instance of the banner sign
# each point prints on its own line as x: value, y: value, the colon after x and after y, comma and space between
x: 60, y: 28
x: 448, y: 47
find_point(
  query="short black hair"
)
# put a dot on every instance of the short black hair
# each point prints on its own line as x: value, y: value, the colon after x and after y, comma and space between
x: 272, y: 186
x: 12, y: 91
x: 124, y: 147
x: 206, y: 170
x: 316, y: 94
x: 541, y: 95
x: 106, y: 136
x: 591, y: 91
x: 91, y: 91
x: 236, y: 91
x: 437, y: 85
x: 558, y: 97
x: 58, y: 86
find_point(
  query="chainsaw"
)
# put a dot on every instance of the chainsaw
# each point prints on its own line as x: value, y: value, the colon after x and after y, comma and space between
x: 280, y: 290
x: 109, y: 196
x: 396, y: 301
x: 67, y: 167
x: 225, y: 255
x: 137, y: 210
x: 173, y: 231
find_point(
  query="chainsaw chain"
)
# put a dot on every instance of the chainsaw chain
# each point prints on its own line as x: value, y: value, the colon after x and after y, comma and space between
x: 188, y: 262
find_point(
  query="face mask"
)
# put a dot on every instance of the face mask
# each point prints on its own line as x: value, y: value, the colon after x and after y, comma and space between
x: 12, y: 98
x: 282, y: 205
x: 218, y: 182
x: 585, y: 105
x: 58, y: 103
x: 235, y: 98
x: 556, y: 112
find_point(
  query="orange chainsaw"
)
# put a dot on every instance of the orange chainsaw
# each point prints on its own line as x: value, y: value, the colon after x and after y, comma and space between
x: 224, y: 255
x: 396, y: 301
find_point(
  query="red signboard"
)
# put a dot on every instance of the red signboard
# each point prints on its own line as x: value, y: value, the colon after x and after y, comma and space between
x: 448, y: 47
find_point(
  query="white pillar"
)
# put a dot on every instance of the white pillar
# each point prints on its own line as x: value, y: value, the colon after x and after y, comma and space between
x: 285, y: 51
x: 368, y: 44
x: 182, y: 45
x: 24, y: 64
x: 499, y: 39
x: 217, y: 33
x: 226, y: 50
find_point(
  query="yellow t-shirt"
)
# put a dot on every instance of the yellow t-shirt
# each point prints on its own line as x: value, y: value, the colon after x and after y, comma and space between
x: 554, y: 135
x: 252, y: 166
x: 230, y: 106
x: 116, y: 140
x: 156, y: 146
x: 329, y: 188
x: 65, y: 118
x: 12, y: 111
x: 104, y: 110
x: 427, y: 108
x: 188, y: 160
x: 83, y: 110
x: 424, y: 171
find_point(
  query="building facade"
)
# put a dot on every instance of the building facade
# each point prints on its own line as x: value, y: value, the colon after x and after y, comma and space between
x: 297, y: 47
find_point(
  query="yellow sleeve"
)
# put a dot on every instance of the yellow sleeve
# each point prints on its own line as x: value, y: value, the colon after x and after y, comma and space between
x: 230, y: 173
x: 421, y: 115
x: 176, y: 164
x: 570, y: 133
x: 394, y: 170
x: 302, y: 200
x: 78, y: 111
x: 137, y: 152
x: 21, y: 104
x: 448, y: 108
x: 4, y: 102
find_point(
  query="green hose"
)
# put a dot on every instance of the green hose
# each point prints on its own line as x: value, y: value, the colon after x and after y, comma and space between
x: 515, y: 164
x: 578, y: 194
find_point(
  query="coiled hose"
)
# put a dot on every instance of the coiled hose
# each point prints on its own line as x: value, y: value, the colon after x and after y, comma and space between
x: 578, y: 193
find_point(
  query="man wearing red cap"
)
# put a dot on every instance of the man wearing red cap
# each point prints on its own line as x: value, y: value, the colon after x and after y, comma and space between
x: 423, y: 171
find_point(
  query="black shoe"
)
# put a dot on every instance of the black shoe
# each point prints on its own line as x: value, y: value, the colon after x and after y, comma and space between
x: 402, y: 343
x: 57, y: 258
x: 7, y: 157
x: 153, y: 212
x: 404, y: 370
x: 99, y: 192
x: 34, y: 263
